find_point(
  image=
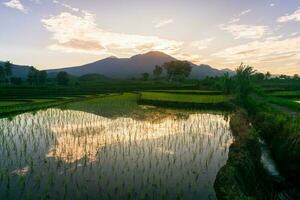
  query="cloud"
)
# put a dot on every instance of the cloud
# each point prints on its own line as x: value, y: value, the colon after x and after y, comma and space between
x: 292, y: 17
x: 245, y: 31
x: 203, y: 44
x: 66, y: 6
x: 272, y: 4
x: 234, y: 20
x: 163, y: 23
x: 285, y: 50
x: 245, y: 12
x: 293, y: 34
x: 80, y: 33
x: 78, y: 45
x: 16, y: 4
x: 194, y: 58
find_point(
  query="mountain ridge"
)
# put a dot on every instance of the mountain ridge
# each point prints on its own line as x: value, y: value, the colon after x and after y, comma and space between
x: 124, y: 68
x: 133, y: 67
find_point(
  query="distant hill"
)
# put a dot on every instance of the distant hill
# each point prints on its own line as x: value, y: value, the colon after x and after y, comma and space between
x: 18, y: 70
x: 124, y: 68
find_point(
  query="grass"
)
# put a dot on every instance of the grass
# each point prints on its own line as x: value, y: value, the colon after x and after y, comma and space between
x: 238, y: 179
x: 186, y: 101
x: 26, y: 105
x: 192, y: 98
x: 285, y: 103
x: 10, y: 103
x: 286, y: 94
x: 210, y: 92
x: 109, y: 105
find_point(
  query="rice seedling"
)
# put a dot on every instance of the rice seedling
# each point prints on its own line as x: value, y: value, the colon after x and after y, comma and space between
x: 74, y: 154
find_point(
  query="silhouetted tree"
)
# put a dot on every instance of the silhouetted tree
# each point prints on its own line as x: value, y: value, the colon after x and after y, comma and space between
x: 268, y: 75
x: 63, y: 78
x: 296, y: 76
x: 16, y: 80
x: 227, y: 83
x: 2, y: 74
x: 32, y: 77
x: 157, y: 71
x: 177, y: 70
x: 145, y: 76
x: 5, y: 71
x: 42, y: 77
x: 258, y: 77
x: 7, y: 68
x: 243, y: 81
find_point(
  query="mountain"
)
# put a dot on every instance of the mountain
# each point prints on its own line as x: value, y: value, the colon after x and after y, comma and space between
x: 18, y: 70
x: 121, y: 68
x: 124, y: 68
x: 202, y: 71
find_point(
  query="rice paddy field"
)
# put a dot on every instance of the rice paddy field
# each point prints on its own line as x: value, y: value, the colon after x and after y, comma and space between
x: 110, y: 147
x: 193, y: 98
x: 287, y: 94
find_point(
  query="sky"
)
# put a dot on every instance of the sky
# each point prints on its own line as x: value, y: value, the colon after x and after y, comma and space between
x: 51, y: 34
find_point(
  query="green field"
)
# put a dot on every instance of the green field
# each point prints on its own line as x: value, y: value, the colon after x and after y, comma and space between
x: 288, y: 103
x: 208, y: 92
x: 286, y: 94
x: 10, y: 103
x: 191, y: 98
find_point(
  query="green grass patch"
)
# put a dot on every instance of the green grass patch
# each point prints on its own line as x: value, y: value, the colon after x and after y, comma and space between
x: 286, y: 94
x: 285, y: 103
x: 209, y: 92
x: 192, y: 98
x: 186, y: 101
x: 28, y: 105
x: 108, y: 105
x: 10, y: 103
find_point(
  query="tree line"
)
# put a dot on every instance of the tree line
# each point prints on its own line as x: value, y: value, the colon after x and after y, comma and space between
x: 175, y: 71
x: 34, y: 76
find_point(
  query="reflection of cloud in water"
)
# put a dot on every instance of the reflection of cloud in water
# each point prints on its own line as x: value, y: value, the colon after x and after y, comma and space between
x: 165, y: 151
x: 21, y: 172
x: 83, y: 135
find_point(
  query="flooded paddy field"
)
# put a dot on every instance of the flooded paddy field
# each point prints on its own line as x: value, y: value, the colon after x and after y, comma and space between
x: 77, y: 154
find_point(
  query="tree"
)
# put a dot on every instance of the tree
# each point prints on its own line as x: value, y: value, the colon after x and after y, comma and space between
x: 268, y: 75
x: 258, y: 77
x: 145, y: 76
x: 32, y: 76
x: 63, y: 78
x: 296, y: 76
x: 227, y: 83
x: 243, y: 81
x: 42, y: 77
x: 177, y: 70
x: 7, y: 68
x: 2, y: 73
x: 157, y: 71
x: 16, y: 80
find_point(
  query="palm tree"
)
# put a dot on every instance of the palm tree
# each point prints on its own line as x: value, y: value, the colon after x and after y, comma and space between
x: 243, y: 81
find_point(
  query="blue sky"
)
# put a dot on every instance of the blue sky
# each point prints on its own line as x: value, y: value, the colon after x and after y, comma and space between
x: 62, y: 33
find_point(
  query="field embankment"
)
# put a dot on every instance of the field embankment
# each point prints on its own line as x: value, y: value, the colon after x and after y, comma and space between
x: 10, y: 107
x: 186, y: 100
x: 282, y: 133
x: 243, y: 176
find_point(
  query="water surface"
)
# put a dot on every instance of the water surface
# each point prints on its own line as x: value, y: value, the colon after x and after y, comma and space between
x: 74, y: 154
